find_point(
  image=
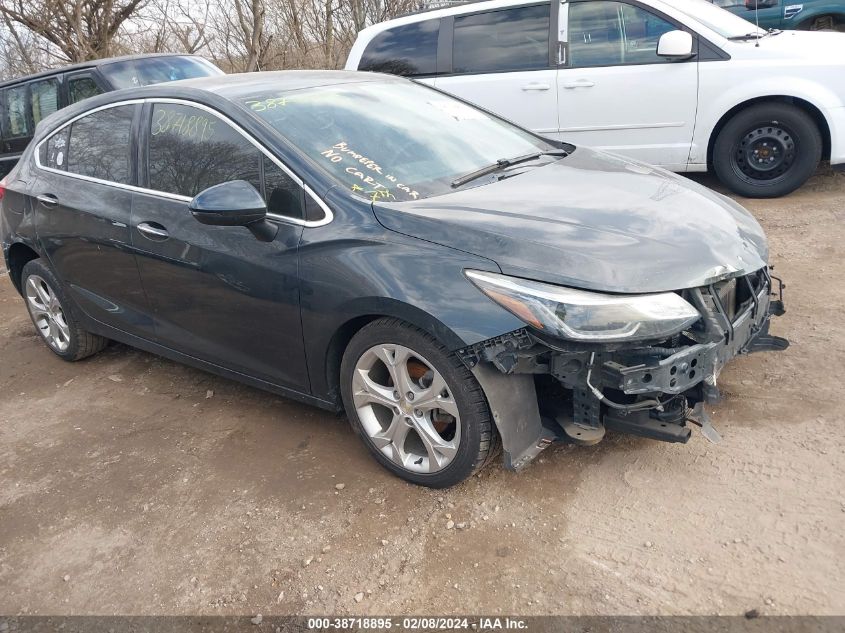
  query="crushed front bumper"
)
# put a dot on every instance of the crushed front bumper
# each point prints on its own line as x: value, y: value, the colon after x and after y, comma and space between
x: 542, y: 390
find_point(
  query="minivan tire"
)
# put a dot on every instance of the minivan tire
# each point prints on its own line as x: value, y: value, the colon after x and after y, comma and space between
x: 77, y: 343
x: 478, y: 439
x: 767, y: 150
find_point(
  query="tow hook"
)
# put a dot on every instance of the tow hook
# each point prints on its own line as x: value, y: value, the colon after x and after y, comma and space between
x: 701, y: 418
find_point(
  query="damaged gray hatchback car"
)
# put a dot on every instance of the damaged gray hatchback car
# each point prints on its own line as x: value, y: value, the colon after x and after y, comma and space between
x: 356, y: 241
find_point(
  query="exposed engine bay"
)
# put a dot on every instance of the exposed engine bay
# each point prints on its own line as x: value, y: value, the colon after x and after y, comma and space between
x: 543, y: 389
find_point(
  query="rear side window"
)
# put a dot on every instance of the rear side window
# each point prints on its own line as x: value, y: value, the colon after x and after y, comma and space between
x: 497, y: 41
x: 53, y: 153
x: 17, y: 120
x: 80, y: 88
x: 44, y: 98
x: 405, y: 50
x: 100, y: 145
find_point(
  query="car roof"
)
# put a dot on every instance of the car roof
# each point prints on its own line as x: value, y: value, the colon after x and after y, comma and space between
x: 94, y: 63
x: 238, y: 85
x: 445, y: 10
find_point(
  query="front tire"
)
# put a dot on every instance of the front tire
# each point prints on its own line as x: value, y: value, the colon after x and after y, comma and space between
x: 416, y: 406
x: 50, y: 312
x: 767, y: 150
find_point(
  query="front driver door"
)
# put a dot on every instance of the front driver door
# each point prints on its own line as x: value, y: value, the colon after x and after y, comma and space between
x: 218, y: 293
x: 616, y: 93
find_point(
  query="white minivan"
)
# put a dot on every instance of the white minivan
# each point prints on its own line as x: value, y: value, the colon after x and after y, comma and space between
x: 678, y: 83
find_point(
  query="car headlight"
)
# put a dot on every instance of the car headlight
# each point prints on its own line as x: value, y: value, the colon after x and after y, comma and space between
x: 587, y: 316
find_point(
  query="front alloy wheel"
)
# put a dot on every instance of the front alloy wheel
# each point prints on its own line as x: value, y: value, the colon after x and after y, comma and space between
x: 406, y: 408
x: 419, y: 410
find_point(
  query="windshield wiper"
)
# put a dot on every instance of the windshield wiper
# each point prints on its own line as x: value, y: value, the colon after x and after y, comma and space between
x: 754, y: 36
x: 503, y: 163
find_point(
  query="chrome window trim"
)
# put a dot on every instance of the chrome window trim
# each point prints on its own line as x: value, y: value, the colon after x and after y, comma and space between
x: 328, y: 217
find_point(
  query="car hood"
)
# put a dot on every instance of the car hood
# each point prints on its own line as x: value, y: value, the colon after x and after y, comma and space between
x: 808, y: 46
x: 592, y: 220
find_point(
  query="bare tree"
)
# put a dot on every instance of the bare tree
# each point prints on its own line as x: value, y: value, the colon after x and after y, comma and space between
x: 238, y: 35
x: 78, y: 29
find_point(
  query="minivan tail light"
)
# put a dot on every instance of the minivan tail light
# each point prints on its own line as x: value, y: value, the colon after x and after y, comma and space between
x: 3, y: 187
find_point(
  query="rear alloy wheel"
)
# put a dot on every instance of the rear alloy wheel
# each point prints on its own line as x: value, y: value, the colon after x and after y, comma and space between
x: 49, y: 311
x: 767, y: 150
x: 416, y: 406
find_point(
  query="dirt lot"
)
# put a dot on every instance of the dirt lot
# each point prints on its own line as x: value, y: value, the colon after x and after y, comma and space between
x: 133, y: 485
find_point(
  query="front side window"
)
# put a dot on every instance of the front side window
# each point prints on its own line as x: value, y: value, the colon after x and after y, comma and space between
x: 44, y: 98
x: 17, y: 120
x: 283, y: 195
x: 100, y: 145
x: 191, y: 150
x: 405, y: 50
x: 507, y: 40
x: 80, y: 88
x: 613, y: 33
x: 390, y: 140
x: 154, y: 70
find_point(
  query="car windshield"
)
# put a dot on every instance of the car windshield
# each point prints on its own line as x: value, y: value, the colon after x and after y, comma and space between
x: 715, y: 18
x: 144, y: 71
x: 391, y: 140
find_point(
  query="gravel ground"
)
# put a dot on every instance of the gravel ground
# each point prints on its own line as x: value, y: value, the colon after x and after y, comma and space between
x: 133, y: 485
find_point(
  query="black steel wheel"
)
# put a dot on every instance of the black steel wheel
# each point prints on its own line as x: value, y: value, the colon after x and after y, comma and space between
x: 767, y: 150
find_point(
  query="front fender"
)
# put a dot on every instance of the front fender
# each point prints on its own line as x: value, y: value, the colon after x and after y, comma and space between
x: 820, y: 95
x: 355, y: 269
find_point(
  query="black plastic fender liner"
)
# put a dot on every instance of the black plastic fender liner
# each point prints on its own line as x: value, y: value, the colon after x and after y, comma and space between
x: 513, y: 403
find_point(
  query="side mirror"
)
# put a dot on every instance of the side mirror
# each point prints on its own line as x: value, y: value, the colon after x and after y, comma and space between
x: 675, y: 45
x: 234, y: 203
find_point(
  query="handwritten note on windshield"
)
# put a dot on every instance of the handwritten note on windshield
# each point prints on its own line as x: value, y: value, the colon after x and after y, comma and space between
x: 381, y: 183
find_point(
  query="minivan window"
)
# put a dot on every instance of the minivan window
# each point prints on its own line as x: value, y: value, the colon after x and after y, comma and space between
x: 100, y: 146
x: 191, y: 150
x: 82, y: 87
x: 506, y: 40
x: 406, y: 50
x: 604, y: 33
x: 152, y: 70
x: 17, y: 119
x: 392, y: 139
x: 44, y: 98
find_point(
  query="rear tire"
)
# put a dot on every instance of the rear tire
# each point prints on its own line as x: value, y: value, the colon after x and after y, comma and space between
x: 767, y: 150
x: 51, y: 314
x: 443, y: 432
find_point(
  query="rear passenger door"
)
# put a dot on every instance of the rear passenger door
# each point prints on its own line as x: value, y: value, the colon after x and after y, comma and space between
x: 82, y: 201
x: 219, y: 294
x: 502, y: 60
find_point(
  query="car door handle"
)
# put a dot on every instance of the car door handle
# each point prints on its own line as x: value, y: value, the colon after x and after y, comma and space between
x: 536, y: 86
x: 581, y: 83
x: 48, y: 200
x: 153, y: 231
